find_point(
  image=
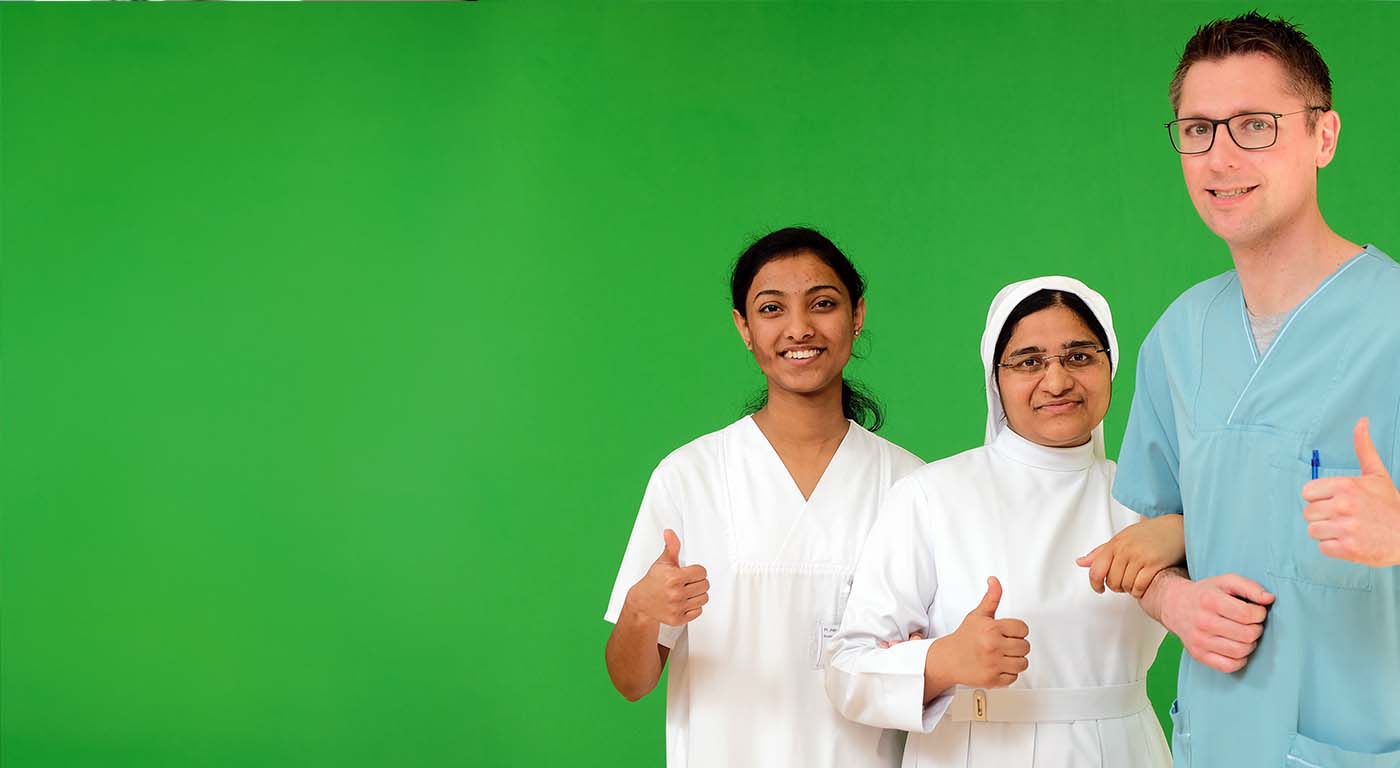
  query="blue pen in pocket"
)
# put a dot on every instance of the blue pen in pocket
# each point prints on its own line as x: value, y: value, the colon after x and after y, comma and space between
x: 1316, y: 463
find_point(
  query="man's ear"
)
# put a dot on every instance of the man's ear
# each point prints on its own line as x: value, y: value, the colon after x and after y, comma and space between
x: 1329, y: 127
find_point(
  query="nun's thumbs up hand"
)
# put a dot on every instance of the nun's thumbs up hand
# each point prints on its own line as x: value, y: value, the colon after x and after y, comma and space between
x: 983, y: 652
x: 671, y: 594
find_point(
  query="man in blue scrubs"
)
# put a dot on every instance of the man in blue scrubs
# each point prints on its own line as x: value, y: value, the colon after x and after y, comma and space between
x: 1251, y: 384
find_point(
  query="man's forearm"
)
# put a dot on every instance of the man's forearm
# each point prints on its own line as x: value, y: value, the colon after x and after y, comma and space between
x: 1162, y: 584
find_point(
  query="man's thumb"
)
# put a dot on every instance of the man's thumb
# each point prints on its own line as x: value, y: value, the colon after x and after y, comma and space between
x: 988, y: 606
x: 672, y: 552
x: 1366, y: 454
x: 1251, y: 590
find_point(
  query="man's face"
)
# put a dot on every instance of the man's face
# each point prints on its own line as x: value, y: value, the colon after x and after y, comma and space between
x: 1250, y: 196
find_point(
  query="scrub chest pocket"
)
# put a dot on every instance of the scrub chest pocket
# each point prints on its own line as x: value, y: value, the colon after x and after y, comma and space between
x: 1303, y: 752
x: 1293, y: 554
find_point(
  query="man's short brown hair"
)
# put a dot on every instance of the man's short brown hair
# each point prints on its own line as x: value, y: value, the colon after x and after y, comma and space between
x: 1251, y: 33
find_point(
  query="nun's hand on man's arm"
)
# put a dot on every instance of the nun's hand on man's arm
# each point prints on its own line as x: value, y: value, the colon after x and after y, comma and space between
x: 1130, y: 560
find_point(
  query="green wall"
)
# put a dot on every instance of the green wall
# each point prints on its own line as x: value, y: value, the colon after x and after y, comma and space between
x: 337, y: 341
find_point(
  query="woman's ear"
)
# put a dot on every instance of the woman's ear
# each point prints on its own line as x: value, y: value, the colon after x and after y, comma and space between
x: 858, y: 315
x: 742, y: 326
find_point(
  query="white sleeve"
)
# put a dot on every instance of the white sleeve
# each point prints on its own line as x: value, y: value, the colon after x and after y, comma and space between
x: 895, y: 583
x: 656, y: 515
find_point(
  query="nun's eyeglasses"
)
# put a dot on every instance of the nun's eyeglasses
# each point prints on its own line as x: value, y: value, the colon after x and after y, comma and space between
x: 1035, y: 364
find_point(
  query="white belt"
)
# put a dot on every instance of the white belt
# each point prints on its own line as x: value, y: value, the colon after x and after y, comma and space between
x: 1053, y: 705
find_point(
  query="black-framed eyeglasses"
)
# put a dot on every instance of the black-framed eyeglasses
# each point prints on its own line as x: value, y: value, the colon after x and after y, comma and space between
x: 1036, y: 363
x: 1249, y: 130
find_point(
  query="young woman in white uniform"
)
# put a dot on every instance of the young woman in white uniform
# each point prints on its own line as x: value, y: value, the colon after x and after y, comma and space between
x: 969, y: 624
x: 741, y: 558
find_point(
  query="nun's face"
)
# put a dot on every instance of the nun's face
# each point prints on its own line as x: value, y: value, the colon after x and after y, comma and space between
x: 1058, y: 405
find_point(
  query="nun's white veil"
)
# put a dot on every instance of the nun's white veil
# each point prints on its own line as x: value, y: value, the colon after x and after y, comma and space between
x: 1006, y: 300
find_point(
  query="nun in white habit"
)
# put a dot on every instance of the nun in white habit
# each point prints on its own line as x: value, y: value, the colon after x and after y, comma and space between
x: 969, y: 624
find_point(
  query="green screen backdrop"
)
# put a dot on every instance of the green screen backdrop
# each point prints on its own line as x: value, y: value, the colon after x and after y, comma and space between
x: 337, y: 342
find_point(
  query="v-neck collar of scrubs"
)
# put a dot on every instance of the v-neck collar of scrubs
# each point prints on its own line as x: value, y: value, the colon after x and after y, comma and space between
x: 1260, y: 360
x: 1293, y: 313
x: 1022, y: 451
x: 757, y: 434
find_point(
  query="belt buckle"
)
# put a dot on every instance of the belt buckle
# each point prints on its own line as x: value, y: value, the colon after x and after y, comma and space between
x: 979, y: 705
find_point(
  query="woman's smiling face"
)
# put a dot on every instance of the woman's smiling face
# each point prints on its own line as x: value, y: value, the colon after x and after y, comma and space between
x: 800, y: 323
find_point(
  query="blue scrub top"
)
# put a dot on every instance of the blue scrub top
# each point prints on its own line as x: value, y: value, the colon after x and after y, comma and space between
x: 1225, y: 435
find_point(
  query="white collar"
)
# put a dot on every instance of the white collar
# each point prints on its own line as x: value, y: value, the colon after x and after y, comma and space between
x: 1022, y: 451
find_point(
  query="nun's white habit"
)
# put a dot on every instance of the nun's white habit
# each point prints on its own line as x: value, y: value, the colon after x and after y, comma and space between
x: 1021, y: 512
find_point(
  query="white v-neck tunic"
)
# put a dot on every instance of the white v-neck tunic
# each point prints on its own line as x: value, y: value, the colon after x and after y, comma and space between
x: 1021, y: 512
x: 745, y: 679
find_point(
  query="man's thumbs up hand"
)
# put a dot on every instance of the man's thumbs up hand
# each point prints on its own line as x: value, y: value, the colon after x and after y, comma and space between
x: 1356, y: 518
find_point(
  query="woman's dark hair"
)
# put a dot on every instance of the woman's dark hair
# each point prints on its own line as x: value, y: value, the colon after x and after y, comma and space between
x: 1042, y: 299
x: 857, y: 404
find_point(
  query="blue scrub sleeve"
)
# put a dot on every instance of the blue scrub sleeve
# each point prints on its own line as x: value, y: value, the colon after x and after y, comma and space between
x: 1149, y: 463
